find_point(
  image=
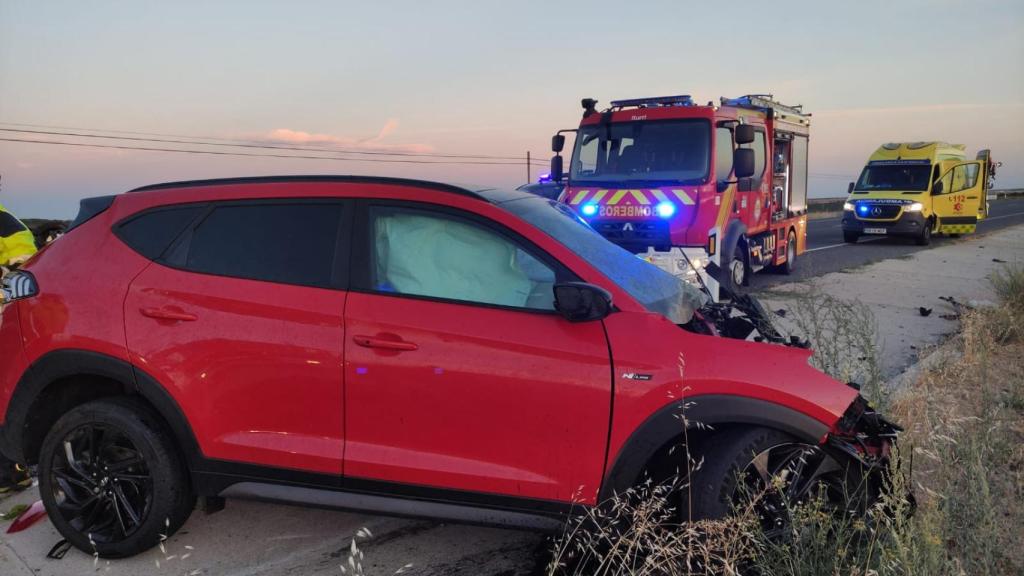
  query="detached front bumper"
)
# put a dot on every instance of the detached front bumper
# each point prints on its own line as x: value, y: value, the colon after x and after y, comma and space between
x: 908, y: 224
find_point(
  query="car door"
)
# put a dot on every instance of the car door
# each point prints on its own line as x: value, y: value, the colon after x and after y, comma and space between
x: 960, y: 199
x: 460, y: 375
x: 241, y: 321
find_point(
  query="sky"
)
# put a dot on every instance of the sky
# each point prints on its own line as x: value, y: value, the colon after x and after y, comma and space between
x: 481, y: 78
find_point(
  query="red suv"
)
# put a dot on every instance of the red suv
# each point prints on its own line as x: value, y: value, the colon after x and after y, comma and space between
x: 394, y: 346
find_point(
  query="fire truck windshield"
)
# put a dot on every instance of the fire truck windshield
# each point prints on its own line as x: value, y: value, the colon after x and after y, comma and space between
x: 902, y: 177
x: 660, y: 151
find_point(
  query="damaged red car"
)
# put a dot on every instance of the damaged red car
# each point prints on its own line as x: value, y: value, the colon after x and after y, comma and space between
x: 391, y: 346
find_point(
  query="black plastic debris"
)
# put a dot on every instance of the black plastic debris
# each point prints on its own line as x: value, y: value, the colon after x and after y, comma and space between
x: 998, y: 261
x: 924, y: 311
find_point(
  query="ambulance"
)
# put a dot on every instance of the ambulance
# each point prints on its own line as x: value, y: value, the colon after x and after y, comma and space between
x: 918, y: 189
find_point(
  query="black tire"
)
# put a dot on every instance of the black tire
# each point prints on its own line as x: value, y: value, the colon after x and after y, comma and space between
x: 93, y: 506
x: 726, y: 481
x: 850, y: 237
x: 735, y: 273
x: 790, y: 264
x: 954, y: 235
x: 925, y: 237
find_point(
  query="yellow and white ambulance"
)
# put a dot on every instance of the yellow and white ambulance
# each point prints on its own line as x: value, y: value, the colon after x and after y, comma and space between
x: 918, y: 189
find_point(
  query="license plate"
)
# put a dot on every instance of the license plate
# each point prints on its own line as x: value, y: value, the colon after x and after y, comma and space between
x: 874, y: 231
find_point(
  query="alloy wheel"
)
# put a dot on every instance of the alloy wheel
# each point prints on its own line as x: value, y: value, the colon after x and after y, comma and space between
x: 101, y: 483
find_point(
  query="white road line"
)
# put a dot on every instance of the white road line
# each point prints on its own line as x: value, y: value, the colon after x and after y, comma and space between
x: 845, y: 244
x: 989, y: 219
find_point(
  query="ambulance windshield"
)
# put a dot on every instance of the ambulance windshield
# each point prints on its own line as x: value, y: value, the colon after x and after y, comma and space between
x: 908, y: 176
x: 646, y: 152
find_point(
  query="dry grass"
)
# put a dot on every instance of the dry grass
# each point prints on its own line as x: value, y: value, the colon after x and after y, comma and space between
x: 962, y: 452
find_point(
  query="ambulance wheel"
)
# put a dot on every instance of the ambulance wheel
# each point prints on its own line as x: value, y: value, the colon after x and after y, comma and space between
x: 925, y: 237
x: 954, y: 235
x: 850, y: 237
x: 790, y: 265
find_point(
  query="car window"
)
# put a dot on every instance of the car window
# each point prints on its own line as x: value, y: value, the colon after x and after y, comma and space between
x: 275, y: 242
x: 965, y: 176
x: 426, y: 253
x: 150, y: 233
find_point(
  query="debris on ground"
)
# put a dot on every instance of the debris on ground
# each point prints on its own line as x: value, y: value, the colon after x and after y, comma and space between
x: 998, y: 261
x: 924, y: 311
x: 14, y: 512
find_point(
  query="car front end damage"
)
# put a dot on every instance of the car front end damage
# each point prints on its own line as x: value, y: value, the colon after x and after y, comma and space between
x: 867, y: 441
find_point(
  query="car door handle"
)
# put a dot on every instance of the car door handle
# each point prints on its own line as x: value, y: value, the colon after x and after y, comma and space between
x: 372, y: 342
x: 165, y: 314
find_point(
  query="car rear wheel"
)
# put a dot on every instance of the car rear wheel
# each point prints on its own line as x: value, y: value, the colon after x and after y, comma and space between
x: 111, y: 480
x: 850, y: 237
x: 763, y: 471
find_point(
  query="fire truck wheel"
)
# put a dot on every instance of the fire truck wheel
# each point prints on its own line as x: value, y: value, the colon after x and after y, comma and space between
x: 790, y: 265
x: 737, y: 271
x: 850, y: 237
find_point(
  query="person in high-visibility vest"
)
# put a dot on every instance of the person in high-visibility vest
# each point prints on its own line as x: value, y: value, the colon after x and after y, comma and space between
x: 17, y: 244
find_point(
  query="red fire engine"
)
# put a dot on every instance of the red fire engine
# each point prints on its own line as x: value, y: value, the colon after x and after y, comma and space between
x: 721, y: 188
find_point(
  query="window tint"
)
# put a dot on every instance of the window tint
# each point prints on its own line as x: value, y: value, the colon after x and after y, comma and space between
x: 288, y: 243
x: 151, y: 233
x: 426, y: 253
x: 723, y: 153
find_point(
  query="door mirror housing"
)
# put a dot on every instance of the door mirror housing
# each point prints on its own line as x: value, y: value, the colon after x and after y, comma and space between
x: 556, y: 169
x: 557, y: 143
x: 743, y: 162
x: 744, y: 134
x: 937, y: 187
x: 582, y: 302
x: 849, y: 188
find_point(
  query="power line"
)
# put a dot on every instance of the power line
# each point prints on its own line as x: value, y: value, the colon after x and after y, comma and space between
x: 248, y: 154
x: 229, y: 142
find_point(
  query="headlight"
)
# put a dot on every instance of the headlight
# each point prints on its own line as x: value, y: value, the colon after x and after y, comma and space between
x: 848, y: 206
x: 914, y: 207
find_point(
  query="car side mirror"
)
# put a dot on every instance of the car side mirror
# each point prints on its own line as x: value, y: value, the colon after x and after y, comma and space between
x: 556, y: 169
x: 743, y: 162
x: 744, y: 134
x: 557, y: 143
x: 582, y: 302
x: 937, y: 187
x: 849, y: 188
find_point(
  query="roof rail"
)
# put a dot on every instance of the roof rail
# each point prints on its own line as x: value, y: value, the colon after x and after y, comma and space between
x: 681, y: 100
x: 764, y: 102
x: 439, y: 186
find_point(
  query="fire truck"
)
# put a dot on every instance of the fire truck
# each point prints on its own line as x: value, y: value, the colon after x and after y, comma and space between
x: 711, y: 193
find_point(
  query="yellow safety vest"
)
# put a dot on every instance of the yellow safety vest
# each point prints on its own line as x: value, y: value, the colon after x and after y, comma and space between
x: 16, y: 240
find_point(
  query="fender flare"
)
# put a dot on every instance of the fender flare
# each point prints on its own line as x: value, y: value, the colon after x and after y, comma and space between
x: 664, y: 425
x: 733, y: 232
x: 60, y: 364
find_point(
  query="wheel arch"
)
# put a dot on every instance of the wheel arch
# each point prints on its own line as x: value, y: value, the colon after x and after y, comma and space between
x: 703, y: 414
x: 63, y: 379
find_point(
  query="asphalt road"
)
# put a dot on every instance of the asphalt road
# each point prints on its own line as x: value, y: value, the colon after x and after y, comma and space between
x: 827, y: 252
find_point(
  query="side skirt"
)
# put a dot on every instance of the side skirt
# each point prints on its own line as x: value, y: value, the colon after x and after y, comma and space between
x: 390, y: 506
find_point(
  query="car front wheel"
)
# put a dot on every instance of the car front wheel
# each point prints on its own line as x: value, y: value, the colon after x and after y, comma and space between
x: 765, y: 471
x: 111, y: 480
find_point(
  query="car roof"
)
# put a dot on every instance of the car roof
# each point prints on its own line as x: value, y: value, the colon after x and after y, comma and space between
x: 485, y: 193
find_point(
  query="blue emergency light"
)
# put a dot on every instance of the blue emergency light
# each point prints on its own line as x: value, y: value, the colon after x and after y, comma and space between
x: 665, y: 209
x: 588, y: 209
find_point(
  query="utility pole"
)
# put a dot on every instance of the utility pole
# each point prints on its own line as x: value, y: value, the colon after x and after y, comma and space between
x: 528, y: 179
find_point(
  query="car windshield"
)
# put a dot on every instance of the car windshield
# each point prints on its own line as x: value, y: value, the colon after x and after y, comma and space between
x: 655, y: 289
x: 666, y: 151
x: 903, y: 177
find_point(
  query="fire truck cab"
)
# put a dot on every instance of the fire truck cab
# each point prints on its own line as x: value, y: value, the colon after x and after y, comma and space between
x: 716, y: 191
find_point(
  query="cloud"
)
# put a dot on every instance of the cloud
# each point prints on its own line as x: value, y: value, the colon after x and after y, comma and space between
x: 375, y: 143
